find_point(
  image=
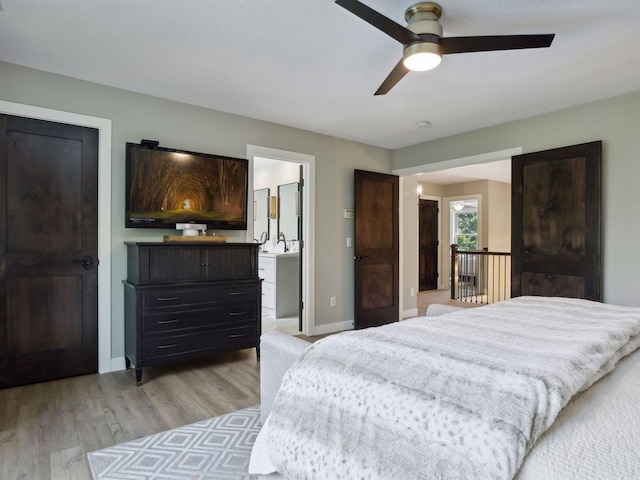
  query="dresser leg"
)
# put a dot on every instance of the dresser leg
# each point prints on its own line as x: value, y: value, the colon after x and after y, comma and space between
x: 258, y: 352
x: 138, y: 376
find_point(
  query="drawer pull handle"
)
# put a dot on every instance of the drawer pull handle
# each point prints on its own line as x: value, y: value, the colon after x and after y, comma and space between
x: 169, y: 345
x: 162, y: 322
x: 236, y: 335
x: 235, y: 314
x: 167, y: 299
x: 204, y: 264
x: 237, y: 293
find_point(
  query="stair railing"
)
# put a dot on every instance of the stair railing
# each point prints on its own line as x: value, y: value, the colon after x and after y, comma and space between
x: 480, y: 276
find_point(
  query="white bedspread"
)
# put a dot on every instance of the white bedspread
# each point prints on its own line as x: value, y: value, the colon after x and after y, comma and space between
x: 465, y: 395
x: 596, y: 436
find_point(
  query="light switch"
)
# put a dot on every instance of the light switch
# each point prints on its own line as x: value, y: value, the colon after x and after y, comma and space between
x: 348, y: 242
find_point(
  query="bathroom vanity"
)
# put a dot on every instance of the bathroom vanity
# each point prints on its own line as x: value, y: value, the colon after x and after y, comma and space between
x: 280, y: 273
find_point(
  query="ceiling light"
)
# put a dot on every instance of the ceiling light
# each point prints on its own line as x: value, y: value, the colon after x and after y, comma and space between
x: 458, y: 206
x: 423, y: 124
x: 421, y: 56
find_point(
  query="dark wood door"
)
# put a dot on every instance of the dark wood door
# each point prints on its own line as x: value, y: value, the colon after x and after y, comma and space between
x: 376, y: 249
x: 428, y: 245
x: 555, y: 245
x: 48, y: 250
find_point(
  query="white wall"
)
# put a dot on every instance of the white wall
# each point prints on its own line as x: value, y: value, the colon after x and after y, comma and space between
x: 271, y: 177
x: 135, y: 116
x: 615, y: 122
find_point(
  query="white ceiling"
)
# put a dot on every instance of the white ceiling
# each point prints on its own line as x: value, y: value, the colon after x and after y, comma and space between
x: 499, y: 171
x: 313, y: 65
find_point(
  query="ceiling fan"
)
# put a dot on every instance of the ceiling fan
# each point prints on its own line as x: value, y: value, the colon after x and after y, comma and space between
x: 424, y: 44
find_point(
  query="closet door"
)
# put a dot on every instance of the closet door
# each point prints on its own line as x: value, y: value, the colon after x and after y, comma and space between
x: 48, y: 250
x: 555, y: 244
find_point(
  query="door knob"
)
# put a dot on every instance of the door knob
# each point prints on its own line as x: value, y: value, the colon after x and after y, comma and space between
x: 359, y: 258
x: 87, y: 262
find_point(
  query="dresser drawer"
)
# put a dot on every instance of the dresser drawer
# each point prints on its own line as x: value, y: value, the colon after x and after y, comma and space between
x: 171, y: 297
x: 227, y: 338
x: 218, y: 316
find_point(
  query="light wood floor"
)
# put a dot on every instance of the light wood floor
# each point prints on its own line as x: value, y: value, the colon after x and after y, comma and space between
x: 46, y: 429
x: 427, y: 297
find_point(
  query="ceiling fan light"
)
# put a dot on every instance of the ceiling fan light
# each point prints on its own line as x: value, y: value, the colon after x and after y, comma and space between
x: 422, y: 56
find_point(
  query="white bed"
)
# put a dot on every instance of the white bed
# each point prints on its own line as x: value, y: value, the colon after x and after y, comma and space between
x: 595, y: 436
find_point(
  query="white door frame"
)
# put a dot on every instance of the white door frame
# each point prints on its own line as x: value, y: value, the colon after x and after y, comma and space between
x: 308, y: 163
x: 103, y: 125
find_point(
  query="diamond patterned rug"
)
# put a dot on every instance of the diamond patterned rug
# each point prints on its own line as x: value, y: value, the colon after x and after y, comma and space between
x: 215, y: 449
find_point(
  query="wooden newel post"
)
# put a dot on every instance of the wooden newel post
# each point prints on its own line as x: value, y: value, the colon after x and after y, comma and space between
x: 454, y: 270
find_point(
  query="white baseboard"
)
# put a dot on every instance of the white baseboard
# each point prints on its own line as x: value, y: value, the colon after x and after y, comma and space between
x: 410, y: 313
x: 332, y: 327
x: 118, y: 364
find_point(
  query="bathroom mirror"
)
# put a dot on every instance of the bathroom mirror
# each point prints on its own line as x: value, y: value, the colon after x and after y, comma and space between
x: 289, y: 211
x: 261, y: 214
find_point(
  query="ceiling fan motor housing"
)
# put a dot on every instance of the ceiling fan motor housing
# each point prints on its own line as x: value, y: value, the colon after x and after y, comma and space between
x: 423, y: 18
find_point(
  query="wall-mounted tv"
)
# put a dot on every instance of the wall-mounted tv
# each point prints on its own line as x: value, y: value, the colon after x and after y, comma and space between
x: 165, y: 186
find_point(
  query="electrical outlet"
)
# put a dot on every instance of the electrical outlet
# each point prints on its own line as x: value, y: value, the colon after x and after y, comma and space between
x: 348, y: 242
x: 332, y: 302
x: 413, y: 292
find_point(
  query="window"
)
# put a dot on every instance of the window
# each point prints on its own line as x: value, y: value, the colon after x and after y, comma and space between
x: 464, y: 224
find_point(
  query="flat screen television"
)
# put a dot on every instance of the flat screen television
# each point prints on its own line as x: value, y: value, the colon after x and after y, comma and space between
x: 165, y: 187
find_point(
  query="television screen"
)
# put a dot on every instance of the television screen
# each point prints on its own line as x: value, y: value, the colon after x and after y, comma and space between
x: 166, y: 186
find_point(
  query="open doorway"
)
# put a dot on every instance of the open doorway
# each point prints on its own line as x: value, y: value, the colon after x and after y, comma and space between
x: 282, y: 210
x: 485, y: 176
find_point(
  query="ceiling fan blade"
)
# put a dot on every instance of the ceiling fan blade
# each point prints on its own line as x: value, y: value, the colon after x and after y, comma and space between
x: 497, y: 42
x: 382, y: 23
x: 398, y: 72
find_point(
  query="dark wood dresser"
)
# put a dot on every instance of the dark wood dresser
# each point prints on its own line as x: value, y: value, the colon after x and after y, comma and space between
x: 186, y: 300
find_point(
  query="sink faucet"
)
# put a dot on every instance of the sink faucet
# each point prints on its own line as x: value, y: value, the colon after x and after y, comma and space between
x: 263, y: 239
x: 283, y: 240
